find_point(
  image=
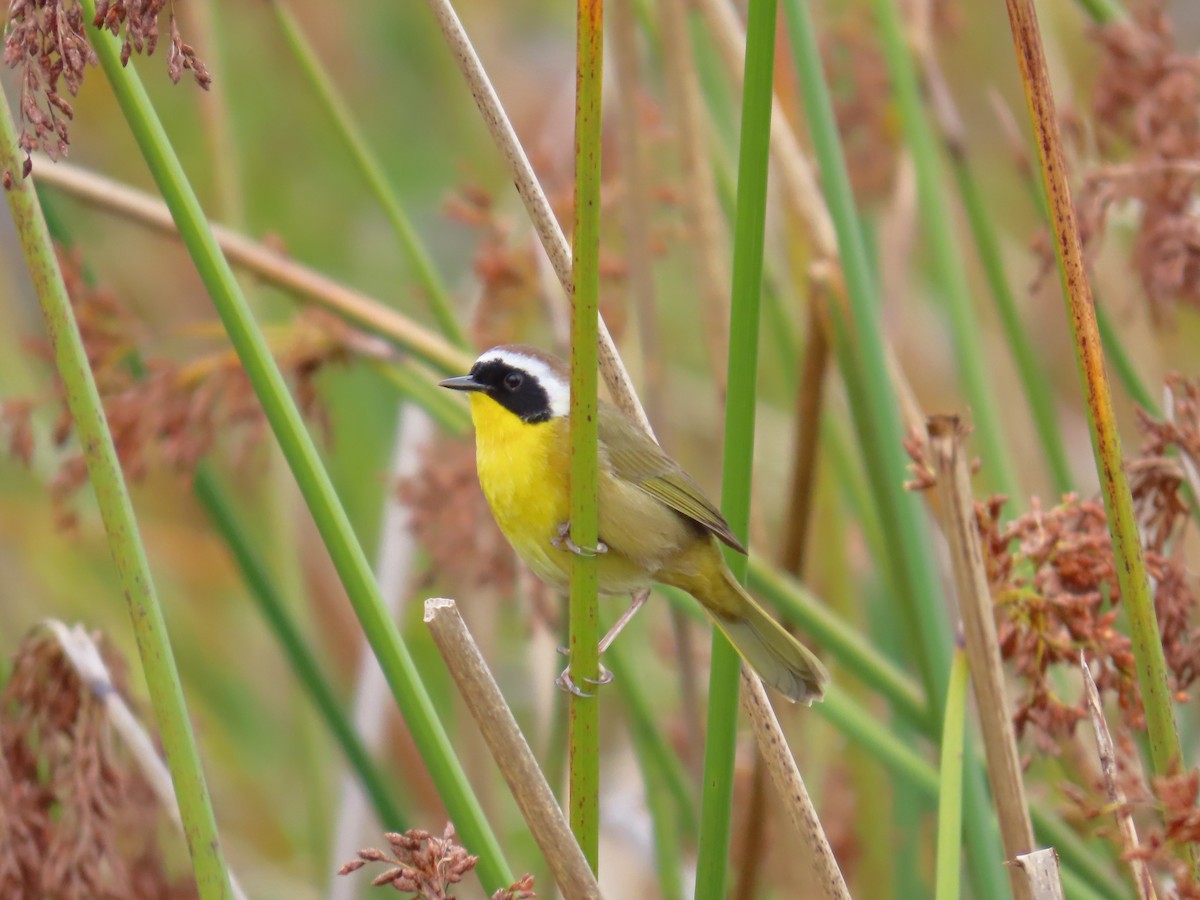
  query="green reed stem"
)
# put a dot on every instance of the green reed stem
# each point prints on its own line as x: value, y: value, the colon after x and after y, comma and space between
x: 120, y: 524
x: 584, y: 622
x: 950, y: 797
x: 716, y: 803
x: 1136, y: 596
x: 369, y: 166
x: 210, y: 495
x: 302, y: 457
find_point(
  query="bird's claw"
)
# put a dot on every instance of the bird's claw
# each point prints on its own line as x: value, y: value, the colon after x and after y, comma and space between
x: 562, y: 541
x: 605, y: 677
x: 566, y: 683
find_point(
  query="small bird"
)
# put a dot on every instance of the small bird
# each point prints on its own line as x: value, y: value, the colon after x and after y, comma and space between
x: 655, y: 522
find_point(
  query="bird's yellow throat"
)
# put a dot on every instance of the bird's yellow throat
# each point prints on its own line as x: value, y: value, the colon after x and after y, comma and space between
x: 524, y: 470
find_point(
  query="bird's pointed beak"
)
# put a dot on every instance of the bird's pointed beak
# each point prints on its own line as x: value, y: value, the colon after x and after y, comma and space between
x: 462, y: 383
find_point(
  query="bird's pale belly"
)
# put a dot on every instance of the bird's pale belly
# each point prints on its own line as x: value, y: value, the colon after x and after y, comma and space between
x: 524, y: 475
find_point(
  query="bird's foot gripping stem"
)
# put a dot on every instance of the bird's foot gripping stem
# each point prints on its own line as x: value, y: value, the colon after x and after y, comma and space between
x: 566, y: 683
x: 564, y: 680
x: 562, y: 541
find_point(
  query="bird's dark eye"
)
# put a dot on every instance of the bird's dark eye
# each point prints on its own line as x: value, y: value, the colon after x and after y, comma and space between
x: 513, y: 381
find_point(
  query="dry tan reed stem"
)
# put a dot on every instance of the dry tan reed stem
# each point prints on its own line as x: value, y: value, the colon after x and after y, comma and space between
x: 1108, y: 766
x: 534, y: 198
x: 510, y: 750
x: 269, y: 265
x: 983, y: 650
x: 800, y: 188
x: 1038, y: 872
x: 792, y: 792
x: 699, y: 200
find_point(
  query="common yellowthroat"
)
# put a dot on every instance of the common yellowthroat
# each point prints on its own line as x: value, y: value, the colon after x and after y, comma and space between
x: 655, y: 522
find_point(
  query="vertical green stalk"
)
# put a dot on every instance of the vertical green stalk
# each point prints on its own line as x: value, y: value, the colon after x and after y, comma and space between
x: 1106, y: 444
x: 371, y: 169
x: 949, y: 833
x: 298, y: 448
x: 947, y: 260
x: 116, y: 510
x: 584, y: 731
x: 749, y: 229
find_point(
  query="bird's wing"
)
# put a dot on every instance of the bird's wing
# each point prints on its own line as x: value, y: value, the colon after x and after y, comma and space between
x: 636, y: 459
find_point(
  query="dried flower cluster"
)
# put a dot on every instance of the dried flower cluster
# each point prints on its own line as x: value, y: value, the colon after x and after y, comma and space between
x: 1054, y: 579
x: 1147, y: 104
x: 427, y: 866
x: 521, y: 889
x: 140, y: 18
x: 46, y: 40
x: 163, y: 413
x: 79, y: 821
x: 1055, y: 588
x: 1054, y: 582
x: 1169, y: 457
x: 1175, y: 797
x: 1163, y: 809
x: 447, y: 507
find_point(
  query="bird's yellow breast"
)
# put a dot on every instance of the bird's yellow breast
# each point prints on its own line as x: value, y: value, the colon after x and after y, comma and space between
x: 524, y: 470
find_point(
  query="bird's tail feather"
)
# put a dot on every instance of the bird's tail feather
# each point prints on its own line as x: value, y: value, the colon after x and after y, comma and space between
x: 780, y: 660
